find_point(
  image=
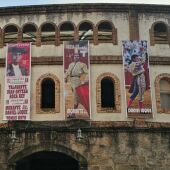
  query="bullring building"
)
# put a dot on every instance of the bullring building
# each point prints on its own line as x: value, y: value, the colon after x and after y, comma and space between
x: 102, y: 125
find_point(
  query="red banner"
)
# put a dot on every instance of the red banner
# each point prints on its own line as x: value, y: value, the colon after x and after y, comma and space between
x: 76, y: 74
x: 137, y: 79
x: 17, y: 82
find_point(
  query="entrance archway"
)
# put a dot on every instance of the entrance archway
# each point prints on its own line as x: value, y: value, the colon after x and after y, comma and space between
x: 47, y: 160
x: 47, y: 157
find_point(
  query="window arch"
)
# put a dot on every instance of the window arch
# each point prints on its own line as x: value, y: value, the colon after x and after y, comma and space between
x: 67, y: 31
x: 47, y: 93
x: 85, y: 31
x: 108, y: 93
x: 29, y: 31
x: 48, y: 32
x: 162, y: 92
x: 10, y: 34
x: 159, y: 33
x: 106, y: 32
x: 48, y: 88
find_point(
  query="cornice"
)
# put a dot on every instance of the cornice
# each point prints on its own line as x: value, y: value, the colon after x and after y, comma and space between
x: 88, y: 126
x: 98, y: 7
x: 54, y: 60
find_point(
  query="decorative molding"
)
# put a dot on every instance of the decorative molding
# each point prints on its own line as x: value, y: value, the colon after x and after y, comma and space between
x: 107, y: 59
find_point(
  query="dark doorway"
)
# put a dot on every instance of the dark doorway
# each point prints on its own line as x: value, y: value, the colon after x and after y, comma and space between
x: 47, y: 161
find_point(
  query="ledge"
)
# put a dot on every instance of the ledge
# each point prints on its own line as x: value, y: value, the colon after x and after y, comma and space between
x: 54, y: 60
x: 137, y: 125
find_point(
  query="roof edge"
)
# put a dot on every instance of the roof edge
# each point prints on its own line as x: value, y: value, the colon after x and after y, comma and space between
x: 83, y: 7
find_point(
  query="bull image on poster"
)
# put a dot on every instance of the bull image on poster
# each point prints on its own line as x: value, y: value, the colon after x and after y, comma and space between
x: 76, y: 78
x: 17, y: 82
x: 137, y: 79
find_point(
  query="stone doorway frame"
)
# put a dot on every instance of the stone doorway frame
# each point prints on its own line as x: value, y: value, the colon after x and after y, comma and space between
x: 40, y: 148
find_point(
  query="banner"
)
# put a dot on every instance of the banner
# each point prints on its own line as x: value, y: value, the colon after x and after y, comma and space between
x: 76, y: 76
x: 17, y: 82
x: 137, y: 79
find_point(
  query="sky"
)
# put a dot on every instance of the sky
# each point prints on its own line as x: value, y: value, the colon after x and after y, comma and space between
x: 6, y: 3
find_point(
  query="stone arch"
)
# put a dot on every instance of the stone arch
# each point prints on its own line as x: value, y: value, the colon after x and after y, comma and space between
x: 74, y: 29
x: 57, y: 94
x: 14, y: 25
x: 47, y: 23
x: 37, y: 34
x: 116, y: 82
x: 56, y: 32
x: 114, y: 32
x: 29, y: 23
x: 70, y: 22
x: 163, y: 76
x: 101, y: 21
x: 90, y: 23
x: 152, y: 37
x: 11, y: 24
x: 56, y: 148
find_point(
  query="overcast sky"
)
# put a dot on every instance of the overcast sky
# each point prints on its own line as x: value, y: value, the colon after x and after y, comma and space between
x: 5, y: 3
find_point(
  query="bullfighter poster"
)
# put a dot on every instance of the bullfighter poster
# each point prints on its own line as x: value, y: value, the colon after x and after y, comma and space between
x: 137, y: 79
x: 17, y: 82
x: 76, y: 78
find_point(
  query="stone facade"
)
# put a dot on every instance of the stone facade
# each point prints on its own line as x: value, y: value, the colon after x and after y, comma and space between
x: 111, y: 141
x: 105, y: 146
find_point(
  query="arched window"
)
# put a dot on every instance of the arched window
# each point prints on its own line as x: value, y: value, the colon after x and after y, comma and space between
x: 48, y: 33
x: 10, y: 34
x: 47, y: 93
x: 67, y: 31
x: 85, y: 31
x: 164, y: 93
x: 107, y: 93
x: 29, y: 33
x: 160, y: 33
x: 105, y: 31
